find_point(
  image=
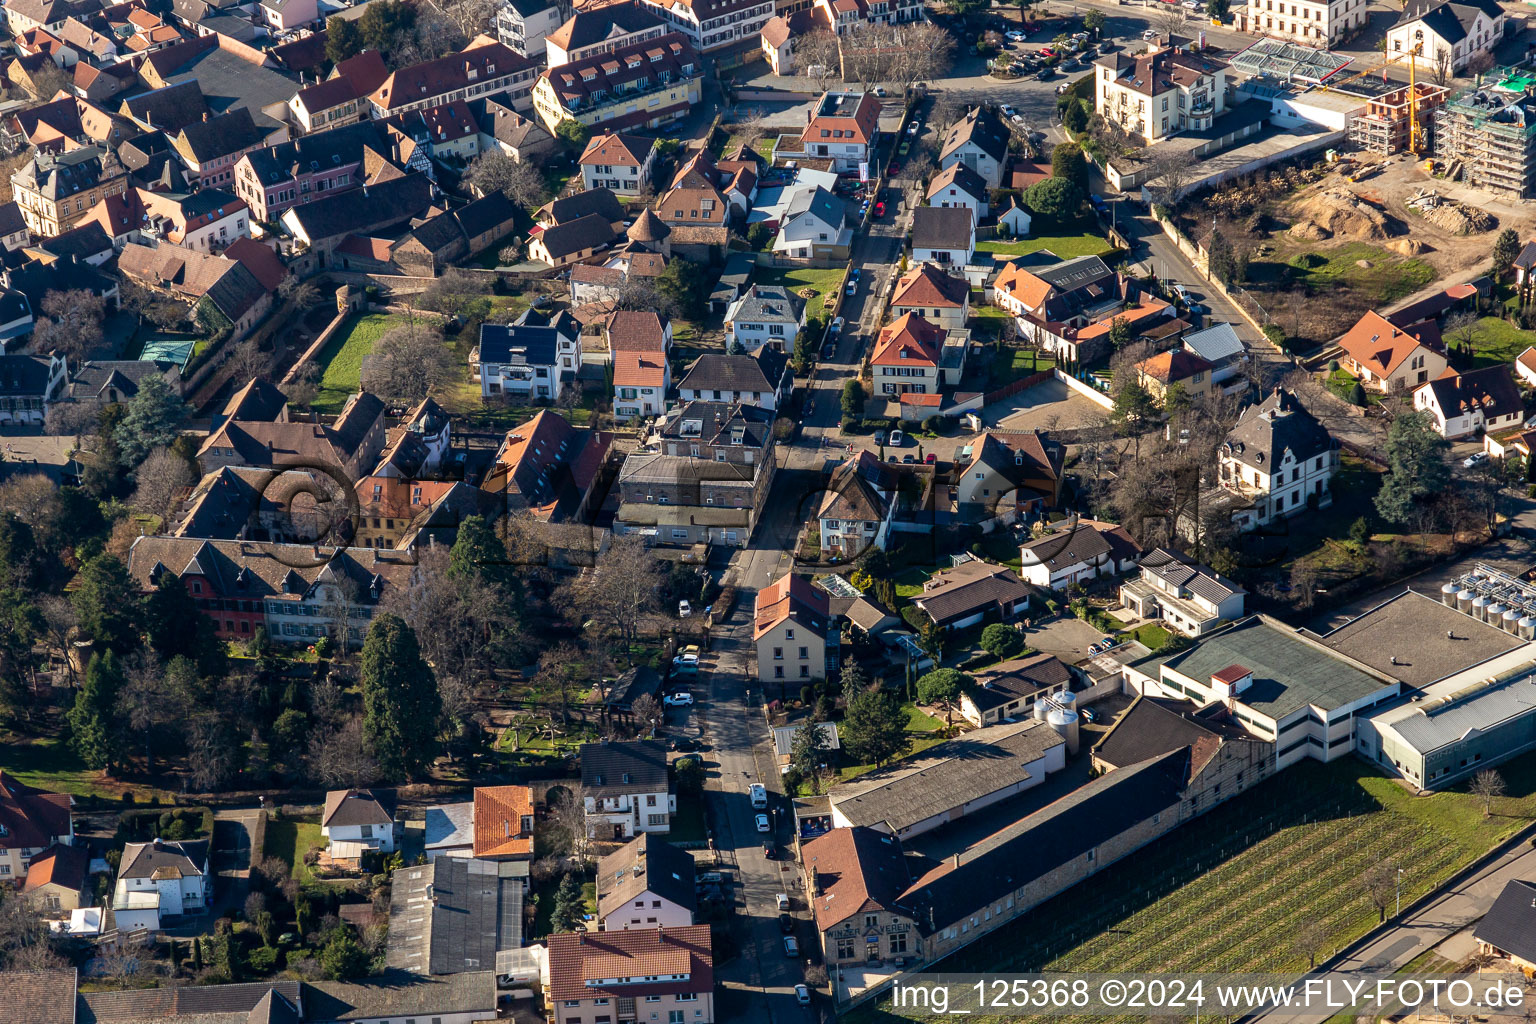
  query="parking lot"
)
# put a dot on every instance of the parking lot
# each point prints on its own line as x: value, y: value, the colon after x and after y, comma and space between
x: 1046, y: 406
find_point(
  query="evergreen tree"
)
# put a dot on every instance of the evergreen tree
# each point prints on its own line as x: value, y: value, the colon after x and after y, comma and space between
x: 1219, y: 257
x: 401, y: 706
x: 197, y: 956
x: 343, y: 959
x: 479, y: 552
x: 176, y: 629
x: 1417, y: 469
x: 855, y: 681
x: 1505, y: 248
x: 808, y: 752
x: 151, y: 420
x: 343, y: 39
x: 569, y: 904
x: 93, y: 721
x: 1119, y: 333
x: 1067, y: 162
x: 20, y: 625
x: 874, y: 728
x: 18, y: 551
x: 108, y: 604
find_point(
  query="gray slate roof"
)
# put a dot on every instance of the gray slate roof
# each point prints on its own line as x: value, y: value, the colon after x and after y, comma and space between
x: 194, y: 1004
x: 1510, y: 924
x: 401, y: 994
x: 645, y: 863
x: 945, y: 776
x: 763, y: 371
x: 821, y: 204
x: 1264, y: 433
x: 1181, y: 571
x: 142, y: 860
x: 768, y: 303
x: 635, y: 766
x: 942, y: 227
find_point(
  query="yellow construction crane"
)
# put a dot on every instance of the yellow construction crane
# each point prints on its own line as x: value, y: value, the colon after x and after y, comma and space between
x: 1414, y: 145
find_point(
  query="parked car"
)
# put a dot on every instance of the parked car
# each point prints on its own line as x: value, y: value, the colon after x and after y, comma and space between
x: 932, y: 458
x: 880, y: 438
x: 1007, y: 110
x: 781, y: 901
x: 909, y: 457
x: 1045, y: 75
x: 769, y: 851
x: 894, y: 169
x: 762, y: 823
x: 914, y: 128
x: 853, y: 286
x: 1149, y: 35
x: 686, y: 664
x: 786, y: 923
x: 685, y: 745
x: 1017, y: 36
x: 1475, y: 459
x: 880, y: 90
x: 897, y: 439
x: 791, y: 947
x: 684, y: 609
x: 1181, y: 293
x: 829, y: 350
x: 802, y: 995
x: 879, y: 209
x: 1063, y: 87
x: 837, y: 325
x: 854, y: 275
x: 680, y: 699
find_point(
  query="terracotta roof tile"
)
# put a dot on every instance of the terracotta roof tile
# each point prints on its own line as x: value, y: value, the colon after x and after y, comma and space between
x: 498, y: 816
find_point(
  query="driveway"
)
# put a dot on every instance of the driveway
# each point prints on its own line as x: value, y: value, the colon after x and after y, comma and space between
x: 1043, y: 407
x: 233, y: 833
x: 1066, y: 637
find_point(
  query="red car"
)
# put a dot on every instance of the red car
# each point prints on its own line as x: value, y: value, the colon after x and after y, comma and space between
x: 931, y: 459
x: 893, y: 170
x: 1046, y: 51
x: 879, y: 210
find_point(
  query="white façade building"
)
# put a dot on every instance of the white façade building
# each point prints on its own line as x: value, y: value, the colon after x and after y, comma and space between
x: 1278, y: 684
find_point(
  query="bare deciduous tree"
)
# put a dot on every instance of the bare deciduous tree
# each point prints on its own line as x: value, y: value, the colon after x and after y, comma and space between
x: 1380, y: 884
x: 72, y: 419
x: 247, y: 360
x: 1442, y: 68
x: 32, y: 498
x: 569, y: 826
x: 1170, y: 22
x: 160, y: 479
x: 648, y: 712
x: 342, y: 757
x: 621, y: 589
x: 818, y: 55
x: 495, y: 171
x: 73, y: 324
x: 1168, y: 173
x: 407, y: 363
x: 1487, y: 786
x: 471, y: 17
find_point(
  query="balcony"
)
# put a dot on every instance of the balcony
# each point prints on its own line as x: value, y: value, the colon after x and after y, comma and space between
x: 581, y: 105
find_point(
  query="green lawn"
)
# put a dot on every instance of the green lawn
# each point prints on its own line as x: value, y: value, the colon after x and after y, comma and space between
x: 1215, y: 894
x: 1498, y: 342
x: 1389, y: 276
x: 288, y: 841
x: 341, y: 360
x: 1065, y: 246
x: 1150, y: 634
x: 546, y: 904
x: 1016, y: 363
x: 688, y: 823
x: 919, y: 721
x: 51, y: 765
x: 824, y: 283
x: 909, y: 582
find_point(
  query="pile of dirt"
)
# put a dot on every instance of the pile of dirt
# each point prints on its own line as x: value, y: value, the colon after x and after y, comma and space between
x: 1339, y: 213
x: 1408, y: 247
x: 1449, y: 214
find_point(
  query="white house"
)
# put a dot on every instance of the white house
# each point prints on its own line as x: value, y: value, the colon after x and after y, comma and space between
x: 625, y: 789
x: 1014, y: 221
x: 1278, y: 458
x: 943, y: 235
x: 159, y: 880
x: 618, y: 162
x: 523, y: 25
x: 711, y: 25
x: 28, y: 383
x: 979, y: 140
x: 640, y: 383
x: 646, y: 883
x: 855, y: 512
x: 358, y: 821
x: 763, y: 379
x: 533, y: 358
x: 1525, y: 366
x: 1458, y: 29
x: 1316, y: 23
x: 766, y: 315
x: 816, y: 224
x: 1182, y: 593
x: 1078, y: 551
x: 1477, y: 401
x: 958, y: 185
x: 843, y: 127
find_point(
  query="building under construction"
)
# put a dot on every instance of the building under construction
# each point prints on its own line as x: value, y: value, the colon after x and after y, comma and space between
x: 1486, y: 135
x: 1384, y: 126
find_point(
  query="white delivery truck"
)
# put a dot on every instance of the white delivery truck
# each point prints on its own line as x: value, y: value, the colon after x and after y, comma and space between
x: 759, y: 794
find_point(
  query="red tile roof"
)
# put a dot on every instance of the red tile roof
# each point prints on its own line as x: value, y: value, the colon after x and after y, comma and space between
x: 599, y: 965
x: 31, y: 818
x: 909, y: 341
x: 498, y: 815
x: 1380, y: 346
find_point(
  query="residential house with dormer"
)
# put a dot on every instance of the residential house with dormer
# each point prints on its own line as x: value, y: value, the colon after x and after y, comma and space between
x: 979, y: 141
x: 1167, y: 90
x: 161, y: 880
x: 1387, y: 358
x: 766, y: 316
x: 856, y: 509
x: 533, y: 358
x: 617, y: 161
x: 1075, y: 551
x: 1002, y: 474
x: 646, y: 884
x: 665, y: 971
x: 795, y: 634
x: 763, y: 379
x: 1484, y: 401
x: 1277, y: 461
x: 926, y: 290
x: 359, y: 821
x: 703, y: 477
x: 842, y: 127
x: 31, y: 821
x: 959, y: 185
x: 627, y: 789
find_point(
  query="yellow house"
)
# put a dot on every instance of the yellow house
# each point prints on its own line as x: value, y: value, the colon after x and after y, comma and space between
x: 1158, y: 374
x: 644, y: 85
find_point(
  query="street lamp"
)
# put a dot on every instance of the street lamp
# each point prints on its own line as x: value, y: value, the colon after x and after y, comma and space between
x: 1399, y: 893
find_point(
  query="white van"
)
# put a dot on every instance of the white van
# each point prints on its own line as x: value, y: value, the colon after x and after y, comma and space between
x: 759, y: 794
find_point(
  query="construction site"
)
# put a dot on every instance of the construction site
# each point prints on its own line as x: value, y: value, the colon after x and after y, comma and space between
x: 1384, y: 127
x: 1485, y: 135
